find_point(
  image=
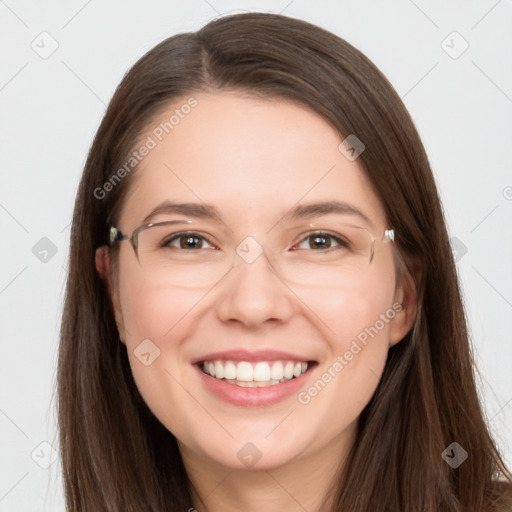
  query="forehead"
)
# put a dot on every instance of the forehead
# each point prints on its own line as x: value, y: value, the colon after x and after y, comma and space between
x: 254, y: 159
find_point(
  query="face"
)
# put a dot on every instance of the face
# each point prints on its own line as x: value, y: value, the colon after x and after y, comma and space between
x: 255, y: 161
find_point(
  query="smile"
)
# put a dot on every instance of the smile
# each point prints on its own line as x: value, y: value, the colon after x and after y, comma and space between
x: 254, y: 374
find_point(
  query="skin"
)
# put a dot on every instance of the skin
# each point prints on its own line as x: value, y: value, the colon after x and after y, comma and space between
x: 268, y: 155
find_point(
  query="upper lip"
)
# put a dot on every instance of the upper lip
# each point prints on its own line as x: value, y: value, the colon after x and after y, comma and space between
x: 247, y: 355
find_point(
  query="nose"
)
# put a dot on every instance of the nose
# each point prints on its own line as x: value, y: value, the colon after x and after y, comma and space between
x: 252, y: 293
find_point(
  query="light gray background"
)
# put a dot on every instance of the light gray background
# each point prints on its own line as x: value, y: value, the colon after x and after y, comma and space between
x: 51, y: 108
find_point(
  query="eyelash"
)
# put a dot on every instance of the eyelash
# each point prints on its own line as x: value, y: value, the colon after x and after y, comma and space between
x: 177, y: 236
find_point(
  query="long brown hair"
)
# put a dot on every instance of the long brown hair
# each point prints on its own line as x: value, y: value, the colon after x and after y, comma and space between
x: 116, y: 455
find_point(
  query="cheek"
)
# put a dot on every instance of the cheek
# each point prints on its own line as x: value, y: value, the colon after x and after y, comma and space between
x: 350, y: 313
x: 153, y: 311
x: 156, y: 320
x: 357, y: 329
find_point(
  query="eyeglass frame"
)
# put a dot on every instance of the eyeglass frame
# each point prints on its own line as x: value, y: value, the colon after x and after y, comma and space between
x: 117, y: 236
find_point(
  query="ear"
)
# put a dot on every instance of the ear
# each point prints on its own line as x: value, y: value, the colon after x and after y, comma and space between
x: 104, y: 268
x: 405, y: 303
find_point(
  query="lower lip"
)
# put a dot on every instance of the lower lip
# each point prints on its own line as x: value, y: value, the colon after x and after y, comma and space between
x: 253, y: 397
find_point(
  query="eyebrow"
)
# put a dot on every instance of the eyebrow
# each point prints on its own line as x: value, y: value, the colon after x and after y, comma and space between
x: 301, y: 211
x: 197, y: 210
x: 306, y: 211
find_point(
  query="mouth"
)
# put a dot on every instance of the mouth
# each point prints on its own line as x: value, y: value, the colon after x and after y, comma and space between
x: 255, y: 374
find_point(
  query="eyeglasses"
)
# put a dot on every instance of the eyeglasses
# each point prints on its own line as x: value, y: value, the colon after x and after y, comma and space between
x: 302, y: 255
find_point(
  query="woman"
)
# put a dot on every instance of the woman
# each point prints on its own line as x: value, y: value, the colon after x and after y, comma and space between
x: 262, y: 308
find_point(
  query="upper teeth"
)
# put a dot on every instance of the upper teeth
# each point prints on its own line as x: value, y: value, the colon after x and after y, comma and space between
x: 260, y: 371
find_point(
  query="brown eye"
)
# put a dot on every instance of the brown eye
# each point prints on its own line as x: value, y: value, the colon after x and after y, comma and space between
x: 186, y: 241
x: 321, y: 241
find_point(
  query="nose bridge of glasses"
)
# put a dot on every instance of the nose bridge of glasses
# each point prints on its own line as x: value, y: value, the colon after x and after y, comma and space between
x: 253, y: 251
x: 269, y: 244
